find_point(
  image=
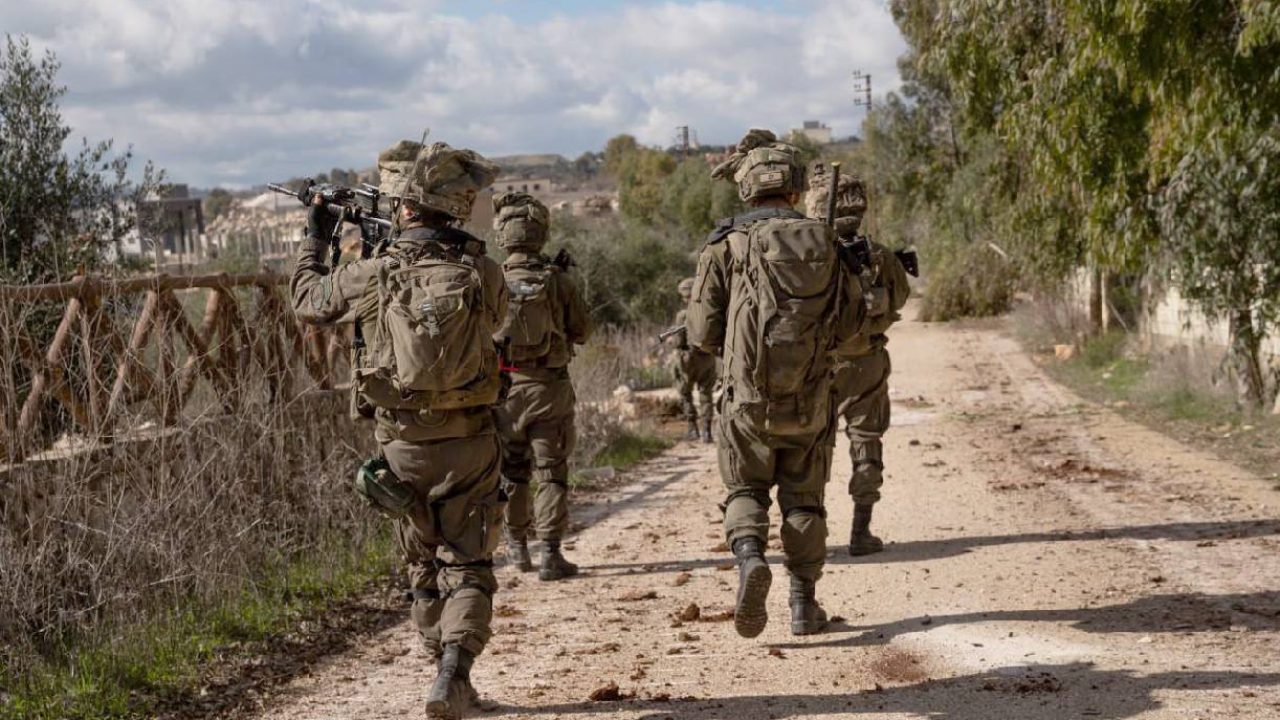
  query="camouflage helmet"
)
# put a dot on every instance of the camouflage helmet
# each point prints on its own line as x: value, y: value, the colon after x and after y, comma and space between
x: 521, y: 221
x: 851, y: 198
x: 435, y: 177
x: 686, y: 288
x: 762, y: 166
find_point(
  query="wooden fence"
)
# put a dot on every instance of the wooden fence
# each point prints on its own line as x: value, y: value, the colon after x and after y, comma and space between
x: 131, y: 343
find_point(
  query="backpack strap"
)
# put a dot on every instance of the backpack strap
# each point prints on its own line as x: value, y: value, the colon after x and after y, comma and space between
x: 726, y: 226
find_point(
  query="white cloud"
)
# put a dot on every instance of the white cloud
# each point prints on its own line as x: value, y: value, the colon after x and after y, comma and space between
x: 240, y: 91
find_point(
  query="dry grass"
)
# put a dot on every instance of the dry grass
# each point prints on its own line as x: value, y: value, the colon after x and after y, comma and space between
x: 99, y: 539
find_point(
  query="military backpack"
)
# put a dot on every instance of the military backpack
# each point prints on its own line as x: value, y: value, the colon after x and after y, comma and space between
x: 431, y: 348
x: 783, y: 309
x: 533, y: 321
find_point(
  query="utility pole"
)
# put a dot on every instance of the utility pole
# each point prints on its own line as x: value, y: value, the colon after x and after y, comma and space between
x: 862, y: 98
x: 862, y: 89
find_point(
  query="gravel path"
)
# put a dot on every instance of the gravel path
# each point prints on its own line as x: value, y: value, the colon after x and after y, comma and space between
x: 1047, y: 559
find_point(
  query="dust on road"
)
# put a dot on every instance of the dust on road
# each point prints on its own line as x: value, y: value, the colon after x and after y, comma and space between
x: 1046, y: 560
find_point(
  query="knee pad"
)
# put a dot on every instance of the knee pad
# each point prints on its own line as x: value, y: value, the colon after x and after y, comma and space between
x: 805, y: 510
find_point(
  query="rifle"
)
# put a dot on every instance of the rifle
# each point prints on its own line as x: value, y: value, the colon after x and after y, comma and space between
x: 856, y: 253
x: 358, y: 206
x: 564, y: 260
x: 671, y: 332
x: 910, y: 262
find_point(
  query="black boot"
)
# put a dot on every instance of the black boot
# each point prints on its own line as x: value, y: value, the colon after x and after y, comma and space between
x: 750, y: 614
x: 807, y: 617
x: 692, y: 433
x: 518, y: 554
x: 861, y: 541
x: 451, y: 693
x: 554, y: 566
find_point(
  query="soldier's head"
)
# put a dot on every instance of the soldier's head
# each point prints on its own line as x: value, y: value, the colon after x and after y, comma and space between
x: 434, y: 184
x: 521, y: 221
x: 686, y: 289
x: 764, y: 169
x: 851, y: 199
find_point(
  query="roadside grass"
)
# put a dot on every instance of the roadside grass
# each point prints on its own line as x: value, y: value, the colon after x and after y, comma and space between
x: 1173, y: 392
x: 627, y: 449
x: 130, y: 671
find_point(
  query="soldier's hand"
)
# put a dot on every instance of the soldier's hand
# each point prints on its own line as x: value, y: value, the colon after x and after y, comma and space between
x: 321, y: 222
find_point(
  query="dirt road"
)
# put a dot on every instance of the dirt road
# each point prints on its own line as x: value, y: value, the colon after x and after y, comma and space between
x: 1047, y: 560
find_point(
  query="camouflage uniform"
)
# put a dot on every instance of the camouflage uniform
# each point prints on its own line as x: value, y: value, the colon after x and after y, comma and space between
x: 537, y: 419
x: 861, y: 371
x: 449, y: 458
x: 765, y: 441
x: 697, y: 373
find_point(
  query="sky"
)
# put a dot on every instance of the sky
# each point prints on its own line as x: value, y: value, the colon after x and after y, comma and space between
x: 241, y: 92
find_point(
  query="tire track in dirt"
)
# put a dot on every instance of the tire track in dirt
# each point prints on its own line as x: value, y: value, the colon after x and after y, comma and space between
x: 1047, y: 560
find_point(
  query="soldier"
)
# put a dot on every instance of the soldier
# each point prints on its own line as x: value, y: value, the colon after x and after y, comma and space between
x: 861, y: 372
x: 428, y: 375
x: 546, y: 318
x: 773, y: 299
x: 697, y: 370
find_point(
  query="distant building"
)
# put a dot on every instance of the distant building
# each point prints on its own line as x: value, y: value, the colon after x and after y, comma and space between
x: 179, y: 218
x: 815, y: 131
x: 536, y: 186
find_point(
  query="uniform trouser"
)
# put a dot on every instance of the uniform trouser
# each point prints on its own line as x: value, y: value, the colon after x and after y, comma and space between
x: 697, y: 376
x: 538, y: 436
x: 450, y: 535
x: 861, y: 387
x: 752, y: 462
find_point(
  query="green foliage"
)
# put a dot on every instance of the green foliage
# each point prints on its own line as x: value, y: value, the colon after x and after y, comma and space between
x: 1118, y: 136
x: 217, y: 203
x: 58, y: 212
x: 126, y: 674
x: 628, y: 271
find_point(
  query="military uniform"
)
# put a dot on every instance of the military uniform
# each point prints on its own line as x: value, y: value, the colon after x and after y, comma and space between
x: 861, y: 370
x: 696, y: 370
x: 448, y: 457
x: 767, y: 440
x: 537, y: 418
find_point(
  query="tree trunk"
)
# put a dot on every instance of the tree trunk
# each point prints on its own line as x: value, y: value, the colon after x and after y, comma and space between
x: 1246, y: 359
x: 1097, y: 309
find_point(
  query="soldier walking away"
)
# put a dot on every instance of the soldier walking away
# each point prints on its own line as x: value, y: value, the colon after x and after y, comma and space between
x: 545, y: 319
x: 427, y: 373
x: 697, y: 371
x: 773, y: 300
x: 861, y: 368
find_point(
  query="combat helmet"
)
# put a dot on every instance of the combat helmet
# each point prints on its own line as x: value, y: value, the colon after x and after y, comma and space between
x: 685, y: 288
x: 434, y: 177
x: 521, y: 221
x: 762, y: 166
x: 851, y: 199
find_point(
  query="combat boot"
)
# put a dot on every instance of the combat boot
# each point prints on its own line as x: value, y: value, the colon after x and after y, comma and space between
x: 807, y: 616
x: 452, y: 694
x: 692, y: 433
x: 750, y: 614
x: 861, y: 541
x: 706, y: 431
x: 518, y: 554
x: 554, y: 565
